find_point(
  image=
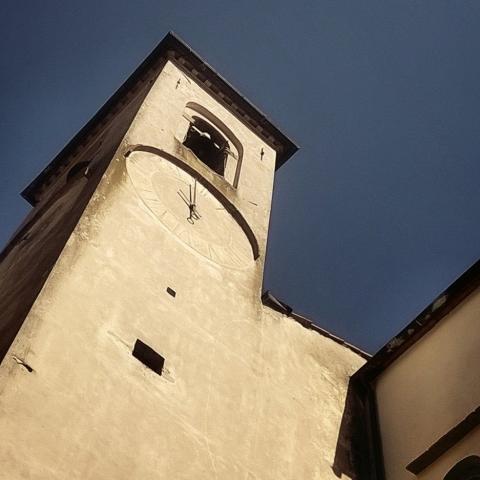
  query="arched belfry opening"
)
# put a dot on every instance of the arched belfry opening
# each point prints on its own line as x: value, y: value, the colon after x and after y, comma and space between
x: 466, y: 469
x: 211, y: 141
x: 208, y: 144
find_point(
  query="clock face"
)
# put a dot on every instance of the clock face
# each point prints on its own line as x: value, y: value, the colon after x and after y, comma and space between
x: 188, y: 210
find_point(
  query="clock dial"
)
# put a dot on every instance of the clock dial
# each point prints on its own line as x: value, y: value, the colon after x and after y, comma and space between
x: 188, y: 209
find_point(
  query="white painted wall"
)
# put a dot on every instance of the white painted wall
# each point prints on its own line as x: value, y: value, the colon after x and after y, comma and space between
x: 429, y: 389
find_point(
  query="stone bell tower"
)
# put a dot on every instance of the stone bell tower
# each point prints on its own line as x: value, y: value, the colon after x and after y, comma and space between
x: 132, y: 332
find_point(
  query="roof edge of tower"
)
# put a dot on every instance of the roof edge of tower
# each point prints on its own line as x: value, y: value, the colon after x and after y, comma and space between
x: 173, y: 45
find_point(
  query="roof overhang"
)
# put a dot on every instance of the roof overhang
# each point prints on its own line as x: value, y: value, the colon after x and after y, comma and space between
x: 175, y: 49
x: 450, y: 298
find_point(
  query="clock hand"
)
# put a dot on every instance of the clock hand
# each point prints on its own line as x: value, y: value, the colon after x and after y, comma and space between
x: 194, y: 212
x: 184, y: 198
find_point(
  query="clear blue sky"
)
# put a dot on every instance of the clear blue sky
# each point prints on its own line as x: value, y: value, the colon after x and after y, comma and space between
x: 377, y: 213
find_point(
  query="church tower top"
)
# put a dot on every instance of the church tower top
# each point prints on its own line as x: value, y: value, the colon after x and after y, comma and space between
x: 172, y: 47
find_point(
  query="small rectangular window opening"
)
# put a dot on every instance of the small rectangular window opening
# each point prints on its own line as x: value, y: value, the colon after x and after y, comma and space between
x: 171, y: 292
x: 148, y: 356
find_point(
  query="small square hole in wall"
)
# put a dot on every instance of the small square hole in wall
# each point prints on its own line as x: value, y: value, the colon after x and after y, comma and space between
x: 171, y: 292
x: 148, y: 356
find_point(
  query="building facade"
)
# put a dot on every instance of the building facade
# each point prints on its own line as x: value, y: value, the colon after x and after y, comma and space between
x: 426, y: 390
x: 135, y: 341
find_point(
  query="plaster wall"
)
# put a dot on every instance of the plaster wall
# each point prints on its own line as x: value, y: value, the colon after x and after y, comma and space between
x: 429, y: 389
x: 246, y: 392
x: 27, y: 259
x: 160, y: 123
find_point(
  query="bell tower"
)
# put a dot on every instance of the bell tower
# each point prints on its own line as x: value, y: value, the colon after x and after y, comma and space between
x: 130, y: 304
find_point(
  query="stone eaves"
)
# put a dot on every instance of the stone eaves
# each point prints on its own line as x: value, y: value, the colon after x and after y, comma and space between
x: 422, y: 323
x: 173, y: 48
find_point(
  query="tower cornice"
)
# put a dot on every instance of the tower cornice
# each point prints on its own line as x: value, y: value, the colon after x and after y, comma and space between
x: 176, y: 50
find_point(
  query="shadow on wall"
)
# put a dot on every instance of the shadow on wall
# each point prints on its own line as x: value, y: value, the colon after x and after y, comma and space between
x: 352, y: 453
x: 28, y: 258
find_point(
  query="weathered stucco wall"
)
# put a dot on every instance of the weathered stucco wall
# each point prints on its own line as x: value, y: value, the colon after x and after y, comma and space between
x: 246, y: 393
x: 160, y: 123
x: 428, y: 390
x: 33, y: 250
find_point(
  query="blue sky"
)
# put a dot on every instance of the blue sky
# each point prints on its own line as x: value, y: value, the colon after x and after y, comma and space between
x: 378, y: 211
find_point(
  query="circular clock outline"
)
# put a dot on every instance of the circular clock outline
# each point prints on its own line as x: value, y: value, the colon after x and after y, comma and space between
x: 219, y: 196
